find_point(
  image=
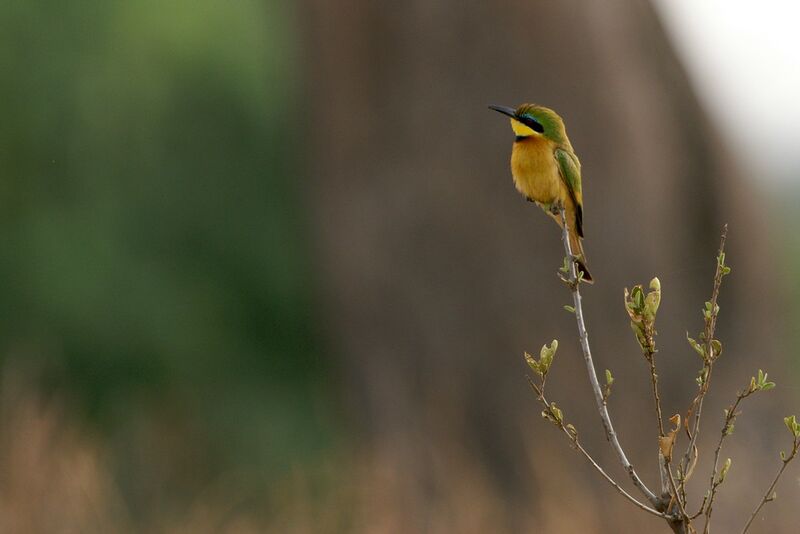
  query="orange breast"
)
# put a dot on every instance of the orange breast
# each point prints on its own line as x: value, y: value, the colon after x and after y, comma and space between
x: 535, y: 170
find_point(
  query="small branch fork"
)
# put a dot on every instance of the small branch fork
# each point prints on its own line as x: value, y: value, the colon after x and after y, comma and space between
x: 572, y: 435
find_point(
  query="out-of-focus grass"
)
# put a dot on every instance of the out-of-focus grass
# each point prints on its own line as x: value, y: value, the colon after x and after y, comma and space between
x: 57, y: 476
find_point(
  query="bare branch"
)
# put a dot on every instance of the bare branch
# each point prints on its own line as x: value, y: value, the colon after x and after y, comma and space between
x: 727, y: 428
x: 651, y: 359
x: 611, y: 435
x: 696, y: 408
x: 676, y: 496
x: 768, y: 496
x: 649, y: 351
x: 573, y: 437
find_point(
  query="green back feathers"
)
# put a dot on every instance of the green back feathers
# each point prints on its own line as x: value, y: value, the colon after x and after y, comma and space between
x: 570, y: 169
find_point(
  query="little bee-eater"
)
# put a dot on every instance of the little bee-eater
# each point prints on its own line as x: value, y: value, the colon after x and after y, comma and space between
x: 546, y: 170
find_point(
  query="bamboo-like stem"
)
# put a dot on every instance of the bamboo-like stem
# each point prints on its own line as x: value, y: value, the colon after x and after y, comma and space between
x: 611, y: 435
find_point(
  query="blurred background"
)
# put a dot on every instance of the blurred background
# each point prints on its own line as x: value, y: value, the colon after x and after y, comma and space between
x: 262, y: 267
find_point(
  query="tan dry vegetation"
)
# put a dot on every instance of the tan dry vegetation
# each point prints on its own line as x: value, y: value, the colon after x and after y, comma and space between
x: 53, y: 477
x: 56, y: 477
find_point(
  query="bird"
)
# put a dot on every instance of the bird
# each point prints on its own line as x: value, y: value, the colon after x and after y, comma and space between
x: 547, y: 171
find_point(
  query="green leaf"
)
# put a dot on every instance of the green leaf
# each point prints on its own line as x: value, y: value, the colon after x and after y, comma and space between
x: 639, y: 331
x: 792, y: 424
x: 609, y: 378
x: 724, y: 471
x: 556, y: 412
x: 696, y: 346
x: 569, y: 308
x: 533, y: 364
x: 546, y: 355
x: 716, y: 347
x: 653, y: 299
x: 655, y: 284
x: 634, y: 303
x: 549, y: 350
x: 762, y: 383
x: 638, y: 297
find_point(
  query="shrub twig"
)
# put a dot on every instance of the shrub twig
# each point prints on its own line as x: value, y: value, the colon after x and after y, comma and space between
x: 716, y: 478
x: 769, y: 495
x: 552, y: 414
x: 642, y: 307
x: 711, y: 353
x: 611, y: 435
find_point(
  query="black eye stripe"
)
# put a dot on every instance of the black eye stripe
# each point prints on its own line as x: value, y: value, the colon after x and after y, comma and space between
x: 532, y: 124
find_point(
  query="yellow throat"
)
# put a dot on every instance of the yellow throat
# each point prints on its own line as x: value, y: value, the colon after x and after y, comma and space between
x: 520, y: 130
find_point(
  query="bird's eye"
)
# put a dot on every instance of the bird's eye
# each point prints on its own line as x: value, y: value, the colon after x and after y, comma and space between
x: 533, y: 124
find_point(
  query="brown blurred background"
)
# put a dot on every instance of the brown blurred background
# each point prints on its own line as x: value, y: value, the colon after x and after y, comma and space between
x: 264, y: 269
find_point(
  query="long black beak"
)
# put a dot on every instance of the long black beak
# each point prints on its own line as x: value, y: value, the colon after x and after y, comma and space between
x: 511, y: 112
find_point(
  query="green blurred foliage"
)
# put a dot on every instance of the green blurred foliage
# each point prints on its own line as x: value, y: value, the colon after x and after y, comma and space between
x: 151, y: 244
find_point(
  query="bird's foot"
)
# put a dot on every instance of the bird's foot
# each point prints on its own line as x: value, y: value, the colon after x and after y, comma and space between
x: 564, y: 272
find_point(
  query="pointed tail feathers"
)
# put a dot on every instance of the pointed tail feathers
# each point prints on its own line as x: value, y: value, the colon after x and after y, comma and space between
x: 577, y: 251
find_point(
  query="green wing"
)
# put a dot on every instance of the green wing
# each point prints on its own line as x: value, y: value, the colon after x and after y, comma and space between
x: 570, y: 169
